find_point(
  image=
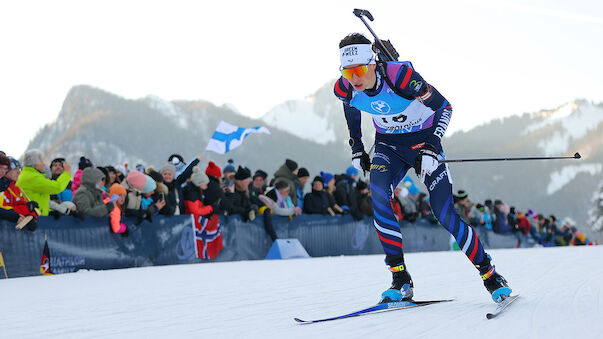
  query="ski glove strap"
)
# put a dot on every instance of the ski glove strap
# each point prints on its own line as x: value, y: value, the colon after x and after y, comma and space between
x: 426, y: 162
x: 361, y: 161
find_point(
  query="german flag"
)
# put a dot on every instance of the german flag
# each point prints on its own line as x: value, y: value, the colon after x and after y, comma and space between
x: 45, y: 264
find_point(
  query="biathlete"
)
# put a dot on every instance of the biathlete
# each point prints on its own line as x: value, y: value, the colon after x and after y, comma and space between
x: 410, y: 118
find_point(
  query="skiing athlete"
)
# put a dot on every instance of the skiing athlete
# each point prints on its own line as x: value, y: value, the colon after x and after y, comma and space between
x: 410, y: 118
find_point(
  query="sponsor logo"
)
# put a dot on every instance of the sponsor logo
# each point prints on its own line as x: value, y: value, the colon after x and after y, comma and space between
x: 380, y: 168
x: 382, y: 156
x: 437, y: 180
x: 417, y: 146
x: 380, y: 106
x: 443, y: 123
x: 350, y: 51
x: 416, y: 84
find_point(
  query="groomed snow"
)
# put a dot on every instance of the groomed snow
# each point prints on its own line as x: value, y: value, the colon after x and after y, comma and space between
x: 561, y: 297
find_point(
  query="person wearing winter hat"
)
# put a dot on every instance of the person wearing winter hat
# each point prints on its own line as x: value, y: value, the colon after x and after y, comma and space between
x: 327, y: 178
x: 214, y: 194
x: 239, y: 201
x: 4, y: 167
x: 329, y: 185
x: 229, y: 168
x: 193, y: 195
x: 77, y: 177
x: 88, y: 198
x: 175, y: 173
x: 345, y: 195
x: 13, y: 203
x: 257, y: 187
x: 288, y: 172
x: 34, y: 183
x: 302, y: 177
x: 317, y: 201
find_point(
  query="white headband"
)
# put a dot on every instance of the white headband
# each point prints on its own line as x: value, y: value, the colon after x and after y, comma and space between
x: 356, y: 54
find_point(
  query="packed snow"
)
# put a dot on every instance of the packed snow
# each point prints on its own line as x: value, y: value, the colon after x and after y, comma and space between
x: 561, y: 297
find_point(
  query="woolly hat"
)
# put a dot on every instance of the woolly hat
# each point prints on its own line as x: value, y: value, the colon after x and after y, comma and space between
x: 326, y: 177
x: 149, y: 185
x: 177, y: 161
x: 168, y: 167
x: 242, y: 173
x: 361, y: 185
x: 117, y: 189
x: 317, y: 178
x: 351, y: 171
x: 303, y: 172
x: 4, y: 160
x: 260, y: 173
x: 291, y: 165
x: 198, y: 177
x: 140, y: 168
x: 213, y: 170
x: 136, y: 179
x: 229, y: 167
x: 461, y: 194
x: 84, y: 162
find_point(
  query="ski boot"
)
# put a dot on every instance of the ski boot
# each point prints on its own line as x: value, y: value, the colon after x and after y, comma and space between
x: 402, y: 285
x: 494, y: 282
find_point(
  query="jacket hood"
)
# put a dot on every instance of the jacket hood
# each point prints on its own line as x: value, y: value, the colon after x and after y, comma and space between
x: 91, y: 176
x: 285, y: 172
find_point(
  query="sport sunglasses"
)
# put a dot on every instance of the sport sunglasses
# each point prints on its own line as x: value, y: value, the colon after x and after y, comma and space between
x: 360, y: 71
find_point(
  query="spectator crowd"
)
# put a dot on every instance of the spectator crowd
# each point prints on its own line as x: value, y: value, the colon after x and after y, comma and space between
x: 31, y: 189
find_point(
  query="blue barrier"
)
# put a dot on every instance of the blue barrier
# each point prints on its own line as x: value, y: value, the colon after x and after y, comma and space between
x: 89, y: 244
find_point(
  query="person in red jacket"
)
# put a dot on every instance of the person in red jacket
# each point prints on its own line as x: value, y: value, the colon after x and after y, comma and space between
x: 14, y: 199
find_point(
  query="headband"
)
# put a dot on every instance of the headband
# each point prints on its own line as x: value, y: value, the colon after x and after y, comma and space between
x: 356, y: 54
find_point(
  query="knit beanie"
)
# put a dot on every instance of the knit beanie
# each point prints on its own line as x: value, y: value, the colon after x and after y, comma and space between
x: 303, y: 172
x: 326, y: 177
x: 149, y: 185
x: 117, y: 189
x: 4, y: 160
x: 317, y: 178
x: 291, y: 165
x: 168, y: 167
x: 242, y: 173
x: 351, y: 171
x: 260, y: 173
x: 198, y: 177
x: 136, y: 179
x: 229, y: 167
x: 213, y: 170
x: 84, y: 162
x: 361, y: 185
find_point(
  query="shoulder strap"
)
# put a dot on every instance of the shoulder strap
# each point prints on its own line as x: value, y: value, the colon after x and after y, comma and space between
x: 388, y: 72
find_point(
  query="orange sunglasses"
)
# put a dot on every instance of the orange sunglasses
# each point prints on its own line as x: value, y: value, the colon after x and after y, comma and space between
x: 360, y: 71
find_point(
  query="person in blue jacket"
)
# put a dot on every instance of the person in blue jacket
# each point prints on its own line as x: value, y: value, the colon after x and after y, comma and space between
x: 410, y: 118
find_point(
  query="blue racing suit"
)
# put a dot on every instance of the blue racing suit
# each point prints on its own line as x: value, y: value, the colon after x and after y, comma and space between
x: 408, y: 113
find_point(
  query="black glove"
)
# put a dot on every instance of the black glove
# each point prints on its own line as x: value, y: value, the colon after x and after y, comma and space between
x: 77, y: 214
x: 361, y: 160
x: 32, y: 205
x: 56, y: 215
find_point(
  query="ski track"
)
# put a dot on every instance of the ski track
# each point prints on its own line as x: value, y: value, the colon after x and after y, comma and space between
x: 561, y: 297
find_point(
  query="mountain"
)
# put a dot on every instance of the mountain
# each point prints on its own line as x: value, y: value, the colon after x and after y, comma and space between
x: 112, y: 130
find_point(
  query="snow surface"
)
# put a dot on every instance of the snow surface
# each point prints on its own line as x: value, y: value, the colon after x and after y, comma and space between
x: 561, y: 297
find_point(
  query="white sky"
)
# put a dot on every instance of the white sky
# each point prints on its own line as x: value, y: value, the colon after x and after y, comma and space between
x: 489, y: 59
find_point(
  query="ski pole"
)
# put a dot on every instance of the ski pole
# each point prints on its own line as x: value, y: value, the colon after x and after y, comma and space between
x: 575, y: 156
x: 361, y: 13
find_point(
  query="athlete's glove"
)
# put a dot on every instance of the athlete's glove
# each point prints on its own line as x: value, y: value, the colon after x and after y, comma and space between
x: 426, y: 162
x: 361, y: 161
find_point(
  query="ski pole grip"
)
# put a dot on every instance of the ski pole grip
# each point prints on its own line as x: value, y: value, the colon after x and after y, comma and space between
x: 363, y: 12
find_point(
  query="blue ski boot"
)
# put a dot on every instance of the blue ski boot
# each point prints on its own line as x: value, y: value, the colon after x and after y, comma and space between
x: 402, y: 285
x: 494, y: 282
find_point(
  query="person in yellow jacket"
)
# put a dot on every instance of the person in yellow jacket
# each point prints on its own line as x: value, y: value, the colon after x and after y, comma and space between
x: 34, y: 183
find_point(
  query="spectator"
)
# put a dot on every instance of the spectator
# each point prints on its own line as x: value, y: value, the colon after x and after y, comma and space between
x: 56, y: 169
x: 214, y: 192
x: 302, y: 178
x: 14, y: 206
x: 463, y: 205
x: 239, y: 201
x: 174, y: 200
x: 409, y: 200
x: 424, y: 208
x: 134, y: 184
x: 228, y: 169
x: 329, y: 185
x: 476, y: 215
x: 121, y: 173
x: 523, y: 224
x: 88, y: 197
x: 363, y: 196
x: 501, y: 211
x: 35, y: 185
x: 317, y: 201
x: 193, y: 194
x: 281, y: 200
x: 113, y: 178
x: 288, y: 172
x: 345, y: 195
x: 115, y: 216
x: 77, y: 178
x: 258, y: 187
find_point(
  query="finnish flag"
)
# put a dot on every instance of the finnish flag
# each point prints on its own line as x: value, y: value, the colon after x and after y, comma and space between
x: 228, y: 137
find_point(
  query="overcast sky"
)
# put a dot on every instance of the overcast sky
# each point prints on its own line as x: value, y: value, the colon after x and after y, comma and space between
x: 489, y: 59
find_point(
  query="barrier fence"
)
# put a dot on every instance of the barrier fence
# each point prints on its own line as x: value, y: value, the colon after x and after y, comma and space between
x: 89, y: 244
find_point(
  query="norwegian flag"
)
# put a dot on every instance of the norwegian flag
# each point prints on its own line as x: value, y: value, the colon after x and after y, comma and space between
x: 207, y: 236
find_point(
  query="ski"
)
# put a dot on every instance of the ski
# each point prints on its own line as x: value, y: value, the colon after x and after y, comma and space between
x: 502, y: 305
x: 391, y: 306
